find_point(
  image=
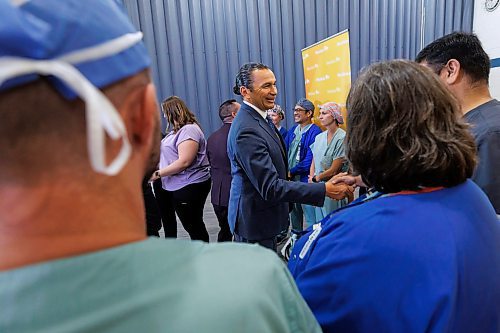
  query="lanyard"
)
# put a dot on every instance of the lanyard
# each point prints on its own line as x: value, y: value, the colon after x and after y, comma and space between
x: 369, y: 196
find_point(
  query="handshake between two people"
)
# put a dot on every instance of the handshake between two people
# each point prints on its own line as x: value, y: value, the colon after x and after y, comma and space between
x: 342, y: 186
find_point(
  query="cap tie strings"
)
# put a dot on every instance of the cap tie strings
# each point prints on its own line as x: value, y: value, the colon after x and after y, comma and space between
x: 101, y: 116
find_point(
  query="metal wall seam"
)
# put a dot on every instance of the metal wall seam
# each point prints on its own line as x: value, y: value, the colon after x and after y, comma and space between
x: 197, y: 46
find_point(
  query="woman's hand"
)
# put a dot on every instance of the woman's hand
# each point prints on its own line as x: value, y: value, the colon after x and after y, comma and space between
x: 155, y: 176
x: 348, y: 179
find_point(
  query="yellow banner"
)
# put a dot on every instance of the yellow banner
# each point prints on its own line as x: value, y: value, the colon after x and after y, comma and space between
x: 327, y: 71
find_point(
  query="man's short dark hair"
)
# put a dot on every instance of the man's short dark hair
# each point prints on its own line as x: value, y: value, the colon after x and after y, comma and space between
x: 226, y: 109
x: 404, y: 131
x: 465, y: 48
x: 38, y: 133
x: 244, y: 76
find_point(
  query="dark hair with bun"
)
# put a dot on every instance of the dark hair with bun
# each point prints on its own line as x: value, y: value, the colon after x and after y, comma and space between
x: 244, y: 77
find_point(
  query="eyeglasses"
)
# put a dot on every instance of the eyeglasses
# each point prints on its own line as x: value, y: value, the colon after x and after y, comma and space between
x: 299, y: 110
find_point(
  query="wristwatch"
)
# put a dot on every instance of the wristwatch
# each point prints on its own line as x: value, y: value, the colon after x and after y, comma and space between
x: 314, y: 179
x: 157, y: 173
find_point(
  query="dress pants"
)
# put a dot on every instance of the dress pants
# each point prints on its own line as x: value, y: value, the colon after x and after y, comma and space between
x: 297, y: 217
x: 224, y: 233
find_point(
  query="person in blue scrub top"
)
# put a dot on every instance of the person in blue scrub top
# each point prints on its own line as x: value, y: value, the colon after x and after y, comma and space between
x: 421, y: 251
x: 298, y: 145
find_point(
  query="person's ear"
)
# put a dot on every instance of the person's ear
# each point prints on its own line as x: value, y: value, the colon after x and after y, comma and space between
x: 451, y: 72
x: 143, y: 115
x: 244, y: 91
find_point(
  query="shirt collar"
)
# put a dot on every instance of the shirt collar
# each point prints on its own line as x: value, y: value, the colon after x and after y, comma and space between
x: 262, y: 113
x: 301, y: 130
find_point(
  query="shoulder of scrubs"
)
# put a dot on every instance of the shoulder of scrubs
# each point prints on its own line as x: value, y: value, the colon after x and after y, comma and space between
x: 139, y: 287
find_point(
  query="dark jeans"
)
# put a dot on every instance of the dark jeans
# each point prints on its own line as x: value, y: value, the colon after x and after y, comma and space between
x: 153, y: 219
x: 224, y: 233
x: 167, y: 211
x: 188, y: 203
x: 270, y: 243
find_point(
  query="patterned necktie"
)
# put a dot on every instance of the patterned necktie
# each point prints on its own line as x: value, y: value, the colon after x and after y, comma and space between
x: 270, y: 123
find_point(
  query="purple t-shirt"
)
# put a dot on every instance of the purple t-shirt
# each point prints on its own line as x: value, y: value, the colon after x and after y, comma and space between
x: 198, y: 171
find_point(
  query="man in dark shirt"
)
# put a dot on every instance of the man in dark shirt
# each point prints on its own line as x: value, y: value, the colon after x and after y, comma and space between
x: 462, y: 64
x: 220, y: 167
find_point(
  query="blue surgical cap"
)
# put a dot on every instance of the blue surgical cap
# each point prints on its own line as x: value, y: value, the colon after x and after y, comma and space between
x: 306, y: 104
x: 80, y: 46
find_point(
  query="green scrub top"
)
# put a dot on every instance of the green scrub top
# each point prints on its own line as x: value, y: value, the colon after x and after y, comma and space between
x: 156, y: 285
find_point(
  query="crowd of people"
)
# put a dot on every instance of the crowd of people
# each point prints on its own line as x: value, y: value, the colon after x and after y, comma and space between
x: 312, y: 156
x: 80, y: 133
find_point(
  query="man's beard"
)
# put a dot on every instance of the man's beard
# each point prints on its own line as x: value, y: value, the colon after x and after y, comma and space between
x: 154, y: 156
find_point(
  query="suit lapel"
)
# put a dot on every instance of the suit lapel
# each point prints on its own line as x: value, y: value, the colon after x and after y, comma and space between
x: 275, y: 135
x: 283, y: 149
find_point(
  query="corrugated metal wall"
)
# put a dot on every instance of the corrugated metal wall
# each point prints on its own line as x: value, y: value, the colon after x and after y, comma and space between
x: 198, y: 45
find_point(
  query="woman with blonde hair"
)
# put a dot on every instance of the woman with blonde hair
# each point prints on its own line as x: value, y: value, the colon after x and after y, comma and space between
x: 184, y: 167
x: 328, y: 154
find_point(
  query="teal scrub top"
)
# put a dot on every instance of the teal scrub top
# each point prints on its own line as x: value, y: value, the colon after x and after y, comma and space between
x: 156, y: 285
x: 324, y: 154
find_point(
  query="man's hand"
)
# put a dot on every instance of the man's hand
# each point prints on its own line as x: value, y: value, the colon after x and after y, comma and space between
x: 338, y: 191
x: 347, y: 179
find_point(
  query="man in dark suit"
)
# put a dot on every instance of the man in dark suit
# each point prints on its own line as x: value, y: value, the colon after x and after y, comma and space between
x: 220, y: 167
x: 260, y: 192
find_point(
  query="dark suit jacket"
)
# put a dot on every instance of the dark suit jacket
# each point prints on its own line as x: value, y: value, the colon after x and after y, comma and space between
x: 258, y: 207
x: 220, y: 167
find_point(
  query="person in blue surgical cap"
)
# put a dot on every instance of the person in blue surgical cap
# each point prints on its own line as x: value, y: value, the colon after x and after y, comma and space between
x: 421, y: 251
x: 79, y: 131
x: 298, y: 146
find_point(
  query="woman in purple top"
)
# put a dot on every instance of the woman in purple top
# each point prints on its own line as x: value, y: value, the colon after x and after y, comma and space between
x: 184, y: 167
